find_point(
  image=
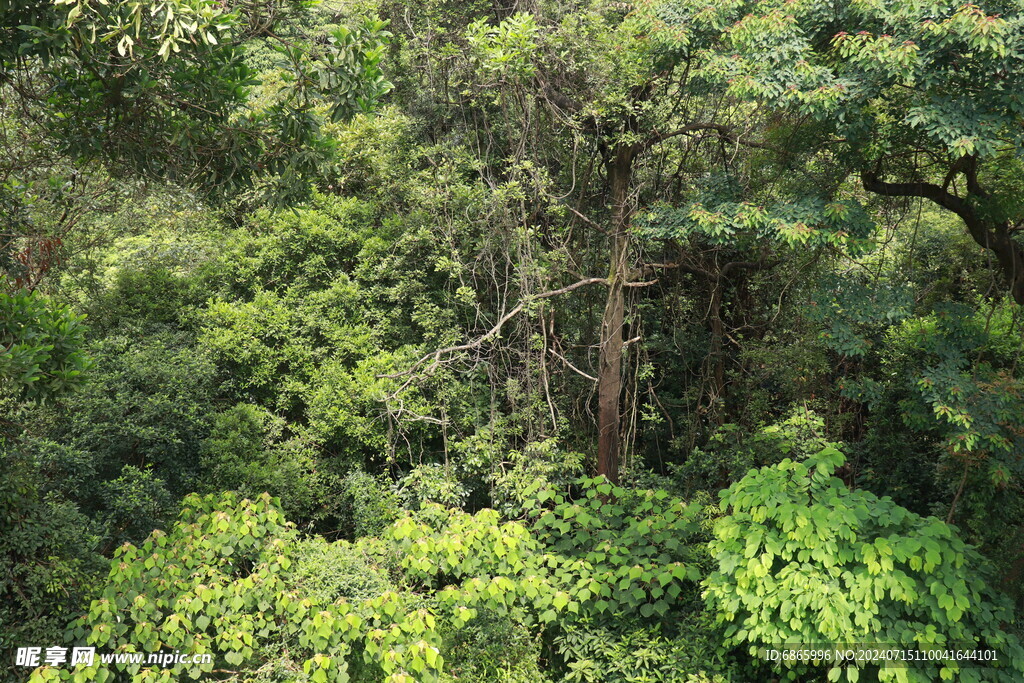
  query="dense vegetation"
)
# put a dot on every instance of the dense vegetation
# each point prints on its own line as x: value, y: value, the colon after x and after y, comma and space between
x: 538, y: 340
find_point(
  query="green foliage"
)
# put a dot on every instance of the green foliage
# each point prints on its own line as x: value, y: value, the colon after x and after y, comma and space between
x: 303, y: 249
x: 325, y: 571
x: 147, y: 297
x: 976, y: 403
x: 246, y: 451
x: 631, y: 545
x: 432, y: 483
x: 223, y: 582
x: 632, y: 655
x: 415, y: 358
x: 370, y: 503
x: 507, y: 50
x: 49, y: 554
x: 164, y: 89
x: 798, y: 224
x: 149, y: 402
x: 135, y: 503
x: 731, y: 452
x: 272, y: 336
x: 787, y: 56
x: 41, y: 347
x: 492, y: 648
x: 945, y: 393
x: 612, y: 554
x: 856, y: 313
x: 802, y: 558
x: 541, y: 464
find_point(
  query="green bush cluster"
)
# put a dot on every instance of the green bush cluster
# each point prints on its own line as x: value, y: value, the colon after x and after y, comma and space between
x: 804, y: 560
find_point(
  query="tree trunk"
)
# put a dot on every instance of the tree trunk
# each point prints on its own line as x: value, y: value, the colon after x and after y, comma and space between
x: 716, y: 352
x: 609, y: 377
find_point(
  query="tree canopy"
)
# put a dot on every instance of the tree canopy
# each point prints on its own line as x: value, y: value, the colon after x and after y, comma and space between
x: 537, y: 341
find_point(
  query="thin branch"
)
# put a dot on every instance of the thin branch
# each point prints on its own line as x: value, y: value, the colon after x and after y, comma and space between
x: 724, y: 132
x: 494, y: 331
x: 572, y: 367
x: 587, y: 220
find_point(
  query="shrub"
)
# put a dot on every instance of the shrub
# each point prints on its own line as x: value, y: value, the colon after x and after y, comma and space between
x: 326, y: 571
x: 247, y: 452
x: 493, y: 647
x: 41, y: 343
x: 370, y: 505
x: 803, y: 559
x: 49, y: 559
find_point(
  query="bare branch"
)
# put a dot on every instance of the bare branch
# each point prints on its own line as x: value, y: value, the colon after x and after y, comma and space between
x: 587, y: 220
x: 572, y: 367
x: 494, y: 331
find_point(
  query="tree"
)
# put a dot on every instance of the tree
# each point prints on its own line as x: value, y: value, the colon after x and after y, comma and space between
x: 919, y: 100
x: 165, y: 90
x: 586, y: 107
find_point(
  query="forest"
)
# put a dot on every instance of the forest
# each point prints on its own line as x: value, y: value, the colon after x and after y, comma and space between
x: 511, y: 341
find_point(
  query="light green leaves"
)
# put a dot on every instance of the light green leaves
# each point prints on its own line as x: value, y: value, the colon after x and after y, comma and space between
x: 167, y: 23
x: 843, y: 566
x: 800, y: 223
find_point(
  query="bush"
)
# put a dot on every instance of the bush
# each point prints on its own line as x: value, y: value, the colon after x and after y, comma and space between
x: 432, y: 483
x: 630, y: 653
x: 324, y: 572
x: 804, y: 559
x: 370, y: 506
x: 231, y: 579
x: 247, y: 452
x: 40, y: 347
x: 136, y: 503
x: 49, y: 559
x: 147, y: 402
x: 732, y: 451
x: 493, y: 647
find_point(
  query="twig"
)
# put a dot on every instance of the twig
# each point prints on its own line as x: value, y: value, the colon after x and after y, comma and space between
x: 493, y: 332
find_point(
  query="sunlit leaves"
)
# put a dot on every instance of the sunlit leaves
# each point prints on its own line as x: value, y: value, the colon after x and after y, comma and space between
x: 219, y: 583
x: 168, y: 23
x: 798, y: 223
x: 804, y: 559
x: 506, y: 50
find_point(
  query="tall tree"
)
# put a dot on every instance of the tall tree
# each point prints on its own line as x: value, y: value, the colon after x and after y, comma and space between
x: 585, y: 106
x: 921, y: 100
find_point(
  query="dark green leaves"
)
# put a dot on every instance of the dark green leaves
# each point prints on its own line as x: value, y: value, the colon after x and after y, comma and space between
x: 40, y: 346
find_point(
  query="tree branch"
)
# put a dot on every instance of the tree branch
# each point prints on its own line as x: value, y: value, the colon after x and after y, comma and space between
x: 571, y: 366
x: 746, y: 265
x: 992, y: 235
x: 724, y: 132
x: 494, y: 331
